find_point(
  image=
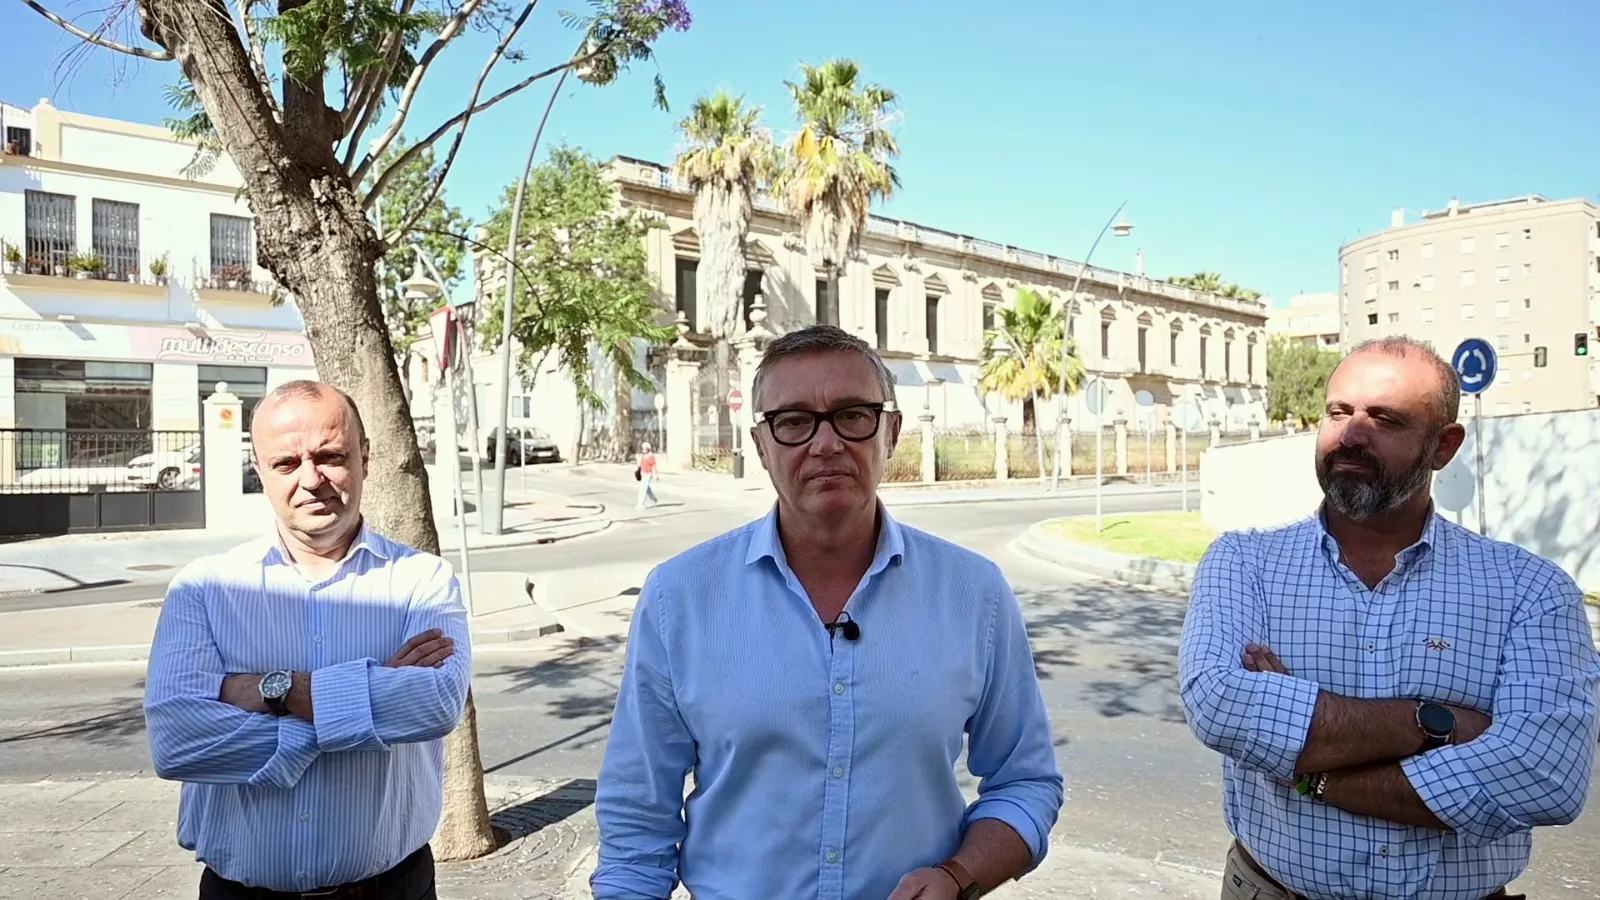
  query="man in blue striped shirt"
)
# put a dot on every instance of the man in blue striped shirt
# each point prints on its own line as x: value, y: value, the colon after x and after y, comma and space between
x: 300, y: 686
x: 817, y: 672
x: 1399, y: 701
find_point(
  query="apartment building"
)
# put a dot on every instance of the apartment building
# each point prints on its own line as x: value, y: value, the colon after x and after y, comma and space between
x: 128, y: 286
x: 924, y: 297
x: 1523, y: 273
x: 1308, y: 319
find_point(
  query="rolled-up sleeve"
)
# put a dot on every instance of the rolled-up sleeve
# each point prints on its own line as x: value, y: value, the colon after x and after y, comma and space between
x: 1009, y: 744
x: 639, y: 798
x: 363, y: 705
x: 1532, y: 767
x: 194, y: 736
x: 1259, y: 719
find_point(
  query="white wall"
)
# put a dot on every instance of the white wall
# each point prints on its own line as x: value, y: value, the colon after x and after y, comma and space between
x: 1541, y: 481
x: 173, y: 220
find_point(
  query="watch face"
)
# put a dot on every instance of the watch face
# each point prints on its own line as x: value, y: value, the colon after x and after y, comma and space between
x: 1436, y: 720
x: 276, y: 684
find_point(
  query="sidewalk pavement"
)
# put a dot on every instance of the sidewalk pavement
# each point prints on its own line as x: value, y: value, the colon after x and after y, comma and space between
x: 510, y: 610
x: 91, y: 560
x: 115, y: 839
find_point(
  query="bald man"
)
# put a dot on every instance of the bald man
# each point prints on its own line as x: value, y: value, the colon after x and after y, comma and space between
x: 1399, y: 701
x: 300, y: 686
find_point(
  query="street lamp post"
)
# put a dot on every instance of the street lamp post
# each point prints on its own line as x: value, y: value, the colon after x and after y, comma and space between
x: 420, y: 287
x: 1120, y: 229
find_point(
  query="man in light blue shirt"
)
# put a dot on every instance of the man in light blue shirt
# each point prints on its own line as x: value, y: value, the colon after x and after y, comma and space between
x: 817, y: 671
x: 300, y: 686
x: 1398, y: 701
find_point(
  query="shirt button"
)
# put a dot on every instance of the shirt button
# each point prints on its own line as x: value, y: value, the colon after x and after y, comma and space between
x: 305, y: 817
x: 1371, y: 647
x: 318, y: 639
x: 1383, y: 851
x: 838, y: 688
x: 833, y: 856
x: 838, y: 771
x: 300, y: 875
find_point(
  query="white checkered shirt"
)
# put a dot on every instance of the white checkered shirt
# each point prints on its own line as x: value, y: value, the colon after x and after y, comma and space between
x: 1462, y: 620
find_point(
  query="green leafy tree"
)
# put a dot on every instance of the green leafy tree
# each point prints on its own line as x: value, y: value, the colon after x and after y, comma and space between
x: 1297, y: 380
x: 585, y: 292
x: 1022, y: 358
x: 1212, y: 282
x: 839, y: 161
x: 438, y: 231
x: 292, y: 91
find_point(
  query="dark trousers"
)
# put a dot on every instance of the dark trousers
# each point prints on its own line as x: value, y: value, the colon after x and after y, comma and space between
x: 410, y: 879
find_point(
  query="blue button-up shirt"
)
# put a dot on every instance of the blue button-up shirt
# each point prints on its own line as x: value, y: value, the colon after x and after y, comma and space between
x: 822, y: 767
x: 1463, y: 620
x: 283, y: 803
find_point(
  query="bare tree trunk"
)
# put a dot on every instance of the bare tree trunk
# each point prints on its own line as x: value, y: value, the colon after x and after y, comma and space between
x: 464, y: 831
x: 1038, y: 437
x: 314, y: 236
x: 621, y: 420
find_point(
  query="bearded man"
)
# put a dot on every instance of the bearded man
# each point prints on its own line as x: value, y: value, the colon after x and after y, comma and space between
x: 1398, y: 701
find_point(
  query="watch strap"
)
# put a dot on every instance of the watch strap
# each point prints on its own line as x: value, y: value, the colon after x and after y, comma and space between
x: 966, y: 885
x: 1431, y: 741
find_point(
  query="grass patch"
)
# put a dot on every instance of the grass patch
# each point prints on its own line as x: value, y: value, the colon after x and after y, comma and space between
x: 1167, y: 535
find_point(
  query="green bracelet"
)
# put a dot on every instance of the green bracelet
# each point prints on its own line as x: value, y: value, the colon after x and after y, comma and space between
x: 1303, y: 785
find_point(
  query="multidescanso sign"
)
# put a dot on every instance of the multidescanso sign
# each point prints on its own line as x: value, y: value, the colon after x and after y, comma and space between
x: 243, y: 348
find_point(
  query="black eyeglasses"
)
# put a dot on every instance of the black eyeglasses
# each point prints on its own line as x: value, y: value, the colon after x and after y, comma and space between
x: 794, y: 427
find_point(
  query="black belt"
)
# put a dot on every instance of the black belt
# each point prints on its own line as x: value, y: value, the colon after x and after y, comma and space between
x: 1264, y: 875
x: 377, y: 887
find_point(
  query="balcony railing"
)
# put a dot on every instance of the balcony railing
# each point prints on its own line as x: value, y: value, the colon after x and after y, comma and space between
x: 661, y: 177
x: 123, y: 266
x: 234, y: 279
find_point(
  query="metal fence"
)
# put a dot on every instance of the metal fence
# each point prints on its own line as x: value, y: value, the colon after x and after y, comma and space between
x: 906, y: 464
x: 963, y: 454
x: 58, y: 461
x: 647, y: 427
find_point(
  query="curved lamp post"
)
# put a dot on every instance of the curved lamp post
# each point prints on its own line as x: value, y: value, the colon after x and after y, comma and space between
x: 1120, y: 229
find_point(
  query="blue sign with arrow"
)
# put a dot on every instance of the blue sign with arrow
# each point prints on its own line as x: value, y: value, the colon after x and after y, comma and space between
x: 1475, y: 363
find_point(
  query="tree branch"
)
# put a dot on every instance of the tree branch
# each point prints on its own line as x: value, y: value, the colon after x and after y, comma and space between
x: 433, y: 137
x: 455, y: 146
x: 258, y: 55
x: 451, y: 30
x: 368, y: 98
x: 98, y: 38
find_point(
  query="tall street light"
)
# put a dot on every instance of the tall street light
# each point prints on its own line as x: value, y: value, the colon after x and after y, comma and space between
x: 1120, y: 229
x: 492, y: 517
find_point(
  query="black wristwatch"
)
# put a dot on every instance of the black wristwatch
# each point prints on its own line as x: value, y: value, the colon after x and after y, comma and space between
x: 275, y: 687
x: 1437, y: 723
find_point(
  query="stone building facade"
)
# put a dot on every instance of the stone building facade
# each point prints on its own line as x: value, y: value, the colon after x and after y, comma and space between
x: 924, y: 297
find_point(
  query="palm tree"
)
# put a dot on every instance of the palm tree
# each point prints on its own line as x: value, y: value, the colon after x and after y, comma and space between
x: 838, y: 162
x: 727, y: 158
x: 1200, y: 281
x: 1029, y: 369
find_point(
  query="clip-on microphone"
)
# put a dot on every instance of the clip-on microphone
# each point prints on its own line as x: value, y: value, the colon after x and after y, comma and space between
x: 846, y: 626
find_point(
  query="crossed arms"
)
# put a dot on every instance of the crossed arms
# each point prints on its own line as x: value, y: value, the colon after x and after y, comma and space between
x: 1523, y: 763
x: 209, y: 726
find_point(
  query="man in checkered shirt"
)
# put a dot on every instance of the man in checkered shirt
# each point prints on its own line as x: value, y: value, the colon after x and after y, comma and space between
x: 1398, y: 700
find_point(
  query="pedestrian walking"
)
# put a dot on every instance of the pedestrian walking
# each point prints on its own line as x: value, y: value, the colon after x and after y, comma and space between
x: 300, y: 685
x: 645, y: 473
x: 818, y: 671
x: 1399, y: 701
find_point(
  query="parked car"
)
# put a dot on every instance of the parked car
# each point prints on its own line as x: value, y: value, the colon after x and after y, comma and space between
x: 166, y: 470
x: 535, y: 446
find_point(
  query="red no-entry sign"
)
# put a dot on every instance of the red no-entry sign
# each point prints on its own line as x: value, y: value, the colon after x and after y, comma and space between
x: 735, y: 400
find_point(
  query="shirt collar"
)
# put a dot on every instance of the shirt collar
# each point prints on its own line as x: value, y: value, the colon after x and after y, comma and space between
x: 273, y: 552
x: 1431, y: 534
x: 765, y: 543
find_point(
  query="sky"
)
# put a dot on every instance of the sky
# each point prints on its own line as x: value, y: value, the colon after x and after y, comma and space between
x: 1247, y: 137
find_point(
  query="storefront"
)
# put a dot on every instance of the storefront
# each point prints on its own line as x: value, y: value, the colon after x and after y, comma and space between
x: 71, y: 375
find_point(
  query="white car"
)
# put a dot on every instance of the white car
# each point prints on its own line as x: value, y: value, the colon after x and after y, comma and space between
x: 166, y: 470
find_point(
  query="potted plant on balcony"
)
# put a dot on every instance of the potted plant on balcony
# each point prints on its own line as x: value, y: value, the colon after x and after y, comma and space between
x: 233, y: 277
x: 13, y: 260
x: 87, y: 265
x: 158, y: 269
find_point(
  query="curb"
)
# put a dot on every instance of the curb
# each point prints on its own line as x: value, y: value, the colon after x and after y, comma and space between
x: 1165, y: 574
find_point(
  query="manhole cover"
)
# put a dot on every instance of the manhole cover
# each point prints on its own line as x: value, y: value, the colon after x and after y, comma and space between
x: 150, y: 567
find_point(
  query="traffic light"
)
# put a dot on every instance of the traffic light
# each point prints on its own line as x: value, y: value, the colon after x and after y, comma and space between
x: 1580, y: 343
x: 1540, y: 356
